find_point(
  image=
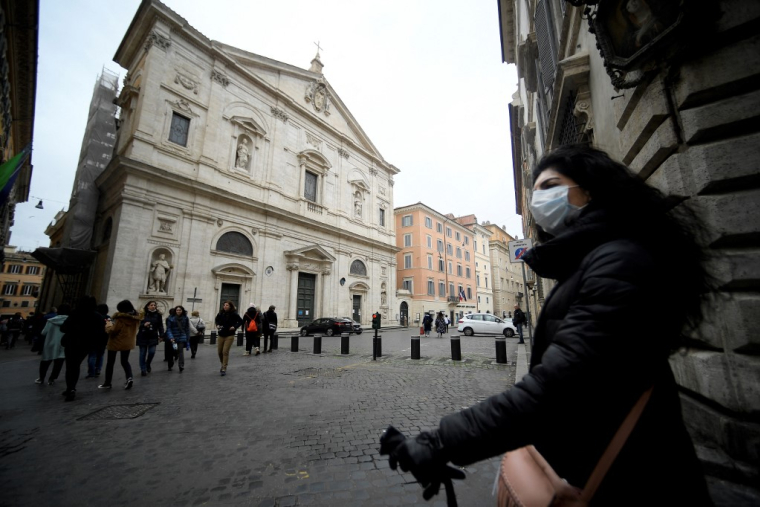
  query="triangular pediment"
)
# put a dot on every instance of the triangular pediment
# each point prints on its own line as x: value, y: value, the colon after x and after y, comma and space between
x: 309, y: 90
x: 313, y: 252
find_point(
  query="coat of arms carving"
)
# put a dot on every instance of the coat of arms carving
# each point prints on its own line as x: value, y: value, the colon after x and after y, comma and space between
x: 319, y: 96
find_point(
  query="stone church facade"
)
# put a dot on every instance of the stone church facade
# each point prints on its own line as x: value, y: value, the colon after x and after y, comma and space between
x: 238, y: 177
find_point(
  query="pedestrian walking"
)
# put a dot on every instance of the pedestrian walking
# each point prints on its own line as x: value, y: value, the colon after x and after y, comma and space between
x: 270, y: 327
x: 15, y: 326
x: 252, y: 325
x: 519, y: 321
x: 609, y: 240
x: 95, y: 358
x: 427, y: 324
x: 446, y: 321
x: 197, y: 328
x: 122, y: 338
x: 151, y: 330
x: 177, y: 336
x: 440, y: 324
x: 227, y: 321
x: 81, y: 331
x: 38, y: 340
x: 52, y: 350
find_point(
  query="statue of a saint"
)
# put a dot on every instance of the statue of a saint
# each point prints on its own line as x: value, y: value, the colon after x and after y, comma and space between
x: 159, y: 272
x: 242, y: 155
x: 358, y: 208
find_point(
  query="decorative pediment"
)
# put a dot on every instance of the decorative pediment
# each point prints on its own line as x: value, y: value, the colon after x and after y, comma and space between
x: 358, y: 179
x: 247, y: 117
x: 359, y: 287
x: 250, y: 125
x: 315, y: 161
x: 309, y: 253
x: 233, y: 269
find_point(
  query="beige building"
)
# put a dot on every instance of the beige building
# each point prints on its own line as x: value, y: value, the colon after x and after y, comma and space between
x: 20, y: 283
x: 237, y: 177
x: 435, y: 264
x: 509, y: 288
x: 679, y: 105
x: 483, y: 275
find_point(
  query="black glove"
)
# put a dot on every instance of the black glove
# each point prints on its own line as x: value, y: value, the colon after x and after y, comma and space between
x: 424, y: 457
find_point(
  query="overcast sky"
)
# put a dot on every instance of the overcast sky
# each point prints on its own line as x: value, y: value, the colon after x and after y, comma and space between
x: 423, y: 78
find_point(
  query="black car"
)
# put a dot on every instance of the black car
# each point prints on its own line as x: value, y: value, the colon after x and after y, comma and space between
x: 328, y: 326
x: 357, y: 327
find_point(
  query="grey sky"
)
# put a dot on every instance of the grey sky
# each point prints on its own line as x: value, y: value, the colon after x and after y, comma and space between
x: 423, y: 78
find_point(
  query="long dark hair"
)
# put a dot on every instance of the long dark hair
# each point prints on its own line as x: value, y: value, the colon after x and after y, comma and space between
x: 125, y: 306
x: 145, y: 308
x: 174, y: 311
x: 233, y: 308
x: 666, y: 225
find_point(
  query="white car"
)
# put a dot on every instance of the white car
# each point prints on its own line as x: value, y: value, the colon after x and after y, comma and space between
x: 486, y: 323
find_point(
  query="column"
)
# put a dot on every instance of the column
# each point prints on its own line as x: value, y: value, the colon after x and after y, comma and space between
x: 292, y: 320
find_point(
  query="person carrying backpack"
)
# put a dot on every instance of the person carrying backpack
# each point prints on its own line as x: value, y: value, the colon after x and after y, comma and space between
x: 253, y: 327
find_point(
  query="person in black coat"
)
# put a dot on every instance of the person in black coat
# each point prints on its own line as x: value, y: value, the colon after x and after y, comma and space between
x: 227, y: 321
x: 609, y: 240
x: 151, y: 329
x: 270, y: 327
x: 519, y: 321
x: 82, y: 332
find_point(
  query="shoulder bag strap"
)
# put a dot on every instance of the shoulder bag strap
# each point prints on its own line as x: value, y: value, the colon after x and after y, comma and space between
x: 614, y: 447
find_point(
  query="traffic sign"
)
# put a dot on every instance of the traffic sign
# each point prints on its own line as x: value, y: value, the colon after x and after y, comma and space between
x: 518, y: 248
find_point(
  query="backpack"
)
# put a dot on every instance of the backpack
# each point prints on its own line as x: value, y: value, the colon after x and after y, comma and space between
x: 252, y: 326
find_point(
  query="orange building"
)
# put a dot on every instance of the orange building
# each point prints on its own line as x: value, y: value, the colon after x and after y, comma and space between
x: 435, y: 267
x: 20, y: 282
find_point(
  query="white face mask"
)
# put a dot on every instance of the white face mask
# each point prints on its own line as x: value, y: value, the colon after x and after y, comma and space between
x: 552, y: 211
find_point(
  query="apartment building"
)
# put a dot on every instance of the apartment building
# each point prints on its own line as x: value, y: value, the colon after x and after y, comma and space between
x: 435, y: 267
x: 509, y: 288
x: 483, y: 279
x: 20, y: 282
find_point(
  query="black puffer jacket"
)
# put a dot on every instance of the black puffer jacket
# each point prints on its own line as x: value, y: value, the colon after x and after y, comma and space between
x: 593, y: 358
x: 148, y: 336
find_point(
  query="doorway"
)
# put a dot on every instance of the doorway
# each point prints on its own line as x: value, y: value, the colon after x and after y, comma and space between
x: 404, y: 314
x: 357, y: 316
x: 305, y: 302
x: 230, y: 292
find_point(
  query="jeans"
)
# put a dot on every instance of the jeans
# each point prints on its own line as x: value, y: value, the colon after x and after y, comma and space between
x: 124, y: 364
x: 178, y: 354
x: 94, y: 363
x: 194, y: 344
x: 146, y: 356
x: 520, y: 332
x: 57, y: 366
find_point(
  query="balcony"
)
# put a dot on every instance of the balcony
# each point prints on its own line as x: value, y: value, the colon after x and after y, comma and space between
x: 453, y: 299
x: 314, y: 208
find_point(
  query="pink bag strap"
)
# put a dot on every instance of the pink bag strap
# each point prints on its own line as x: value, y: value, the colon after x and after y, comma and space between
x: 614, y: 447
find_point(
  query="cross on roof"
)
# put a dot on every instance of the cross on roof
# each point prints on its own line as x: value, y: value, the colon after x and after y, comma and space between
x: 319, y: 48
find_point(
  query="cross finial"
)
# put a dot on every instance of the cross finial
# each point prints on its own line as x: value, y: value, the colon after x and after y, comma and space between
x: 319, y: 48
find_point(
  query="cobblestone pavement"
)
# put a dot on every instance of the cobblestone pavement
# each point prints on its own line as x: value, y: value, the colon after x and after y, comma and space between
x: 281, y: 429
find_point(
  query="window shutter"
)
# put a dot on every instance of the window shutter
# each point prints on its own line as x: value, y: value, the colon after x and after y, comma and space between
x: 547, y: 52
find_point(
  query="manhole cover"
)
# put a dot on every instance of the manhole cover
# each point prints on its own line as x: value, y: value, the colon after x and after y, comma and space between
x: 321, y: 372
x: 119, y: 412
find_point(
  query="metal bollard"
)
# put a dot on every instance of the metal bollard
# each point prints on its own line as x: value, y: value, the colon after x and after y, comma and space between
x: 294, y: 343
x: 275, y: 339
x: 317, y: 344
x: 415, y: 347
x: 212, y: 339
x: 240, y: 338
x: 344, y: 343
x: 379, y: 346
x: 456, y: 350
x: 501, y: 350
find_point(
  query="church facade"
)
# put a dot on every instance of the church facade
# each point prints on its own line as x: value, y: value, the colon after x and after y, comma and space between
x: 237, y: 177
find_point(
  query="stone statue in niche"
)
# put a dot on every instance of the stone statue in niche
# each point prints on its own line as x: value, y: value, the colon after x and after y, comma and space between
x: 159, y: 274
x: 243, y: 154
x: 383, y: 299
x: 358, y: 205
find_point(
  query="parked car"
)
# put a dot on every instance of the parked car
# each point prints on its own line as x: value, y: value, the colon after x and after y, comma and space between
x: 486, y: 323
x: 328, y: 326
x: 357, y: 327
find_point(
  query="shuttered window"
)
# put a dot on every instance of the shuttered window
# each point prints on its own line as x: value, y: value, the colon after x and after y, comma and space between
x: 547, y: 45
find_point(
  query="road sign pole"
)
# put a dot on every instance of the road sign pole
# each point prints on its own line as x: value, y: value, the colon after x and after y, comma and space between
x: 527, y: 307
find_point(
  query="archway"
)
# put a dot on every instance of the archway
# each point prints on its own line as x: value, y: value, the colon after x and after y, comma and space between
x: 404, y: 312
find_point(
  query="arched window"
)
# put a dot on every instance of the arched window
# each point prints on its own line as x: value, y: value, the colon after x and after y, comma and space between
x: 236, y: 243
x: 358, y: 268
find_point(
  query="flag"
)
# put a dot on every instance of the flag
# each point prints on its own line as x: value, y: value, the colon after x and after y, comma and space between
x: 9, y: 171
x: 461, y: 294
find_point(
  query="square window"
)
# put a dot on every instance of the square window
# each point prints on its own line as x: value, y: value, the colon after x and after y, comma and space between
x: 442, y: 289
x: 458, y: 236
x: 6, y: 304
x: 438, y: 227
x: 440, y: 245
x: 24, y: 304
x: 429, y: 242
x: 430, y: 262
x: 406, y: 221
x: 310, y: 187
x: 466, y: 240
x: 407, y: 240
x: 467, y: 255
x: 27, y: 290
x: 382, y: 217
x: 407, y: 261
x: 179, y: 129
x: 448, y: 231
x: 440, y: 265
x: 407, y: 284
x: 9, y: 289
x: 14, y: 268
x: 428, y: 222
x: 459, y: 270
x: 431, y: 288
x: 32, y: 270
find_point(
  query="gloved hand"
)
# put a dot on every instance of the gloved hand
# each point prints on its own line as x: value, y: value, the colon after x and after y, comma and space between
x: 424, y: 457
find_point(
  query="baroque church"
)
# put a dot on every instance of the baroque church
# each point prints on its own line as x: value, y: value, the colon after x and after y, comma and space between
x: 237, y: 177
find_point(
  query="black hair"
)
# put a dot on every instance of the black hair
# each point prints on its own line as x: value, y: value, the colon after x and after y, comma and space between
x: 174, y: 311
x: 86, y: 303
x: 233, y: 308
x: 102, y: 309
x: 662, y: 223
x: 145, y: 308
x: 64, y: 309
x: 125, y: 306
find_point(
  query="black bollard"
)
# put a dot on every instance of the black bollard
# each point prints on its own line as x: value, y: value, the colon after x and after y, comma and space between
x: 379, y: 346
x: 275, y: 340
x: 294, y: 343
x: 240, y: 338
x: 317, y: 344
x: 212, y: 339
x: 344, y: 343
x: 415, y: 347
x: 501, y: 350
x: 456, y: 350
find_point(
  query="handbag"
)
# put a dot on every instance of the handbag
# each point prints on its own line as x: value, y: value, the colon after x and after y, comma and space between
x: 527, y: 480
x: 272, y: 326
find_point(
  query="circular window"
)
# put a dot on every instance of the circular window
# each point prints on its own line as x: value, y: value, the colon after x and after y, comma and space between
x: 269, y: 270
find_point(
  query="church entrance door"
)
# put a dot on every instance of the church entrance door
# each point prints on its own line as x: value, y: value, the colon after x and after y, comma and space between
x: 305, y: 304
x: 230, y: 292
x: 357, y: 309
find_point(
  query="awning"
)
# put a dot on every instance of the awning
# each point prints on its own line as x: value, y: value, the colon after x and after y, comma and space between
x: 65, y: 261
